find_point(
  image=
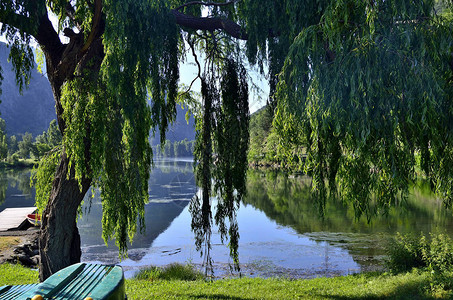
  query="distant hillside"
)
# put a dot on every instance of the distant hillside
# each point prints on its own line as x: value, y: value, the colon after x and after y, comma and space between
x: 180, y: 130
x: 33, y: 111
x: 30, y: 112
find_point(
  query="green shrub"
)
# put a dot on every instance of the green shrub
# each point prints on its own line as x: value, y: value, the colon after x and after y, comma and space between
x: 440, y: 255
x: 406, y: 252
x: 171, y: 272
x: 151, y: 273
x: 434, y: 254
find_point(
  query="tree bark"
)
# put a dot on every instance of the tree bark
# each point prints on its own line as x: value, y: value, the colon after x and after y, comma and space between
x: 59, y: 241
x: 210, y: 24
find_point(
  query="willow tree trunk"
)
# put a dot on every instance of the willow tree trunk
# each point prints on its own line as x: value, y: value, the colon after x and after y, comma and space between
x: 59, y: 241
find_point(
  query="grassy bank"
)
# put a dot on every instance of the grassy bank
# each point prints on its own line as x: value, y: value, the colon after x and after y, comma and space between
x: 412, y: 285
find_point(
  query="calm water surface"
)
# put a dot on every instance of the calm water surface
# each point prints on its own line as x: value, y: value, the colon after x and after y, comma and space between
x: 281, y: 231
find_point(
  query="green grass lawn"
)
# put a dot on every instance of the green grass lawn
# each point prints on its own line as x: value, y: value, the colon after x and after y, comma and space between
x: 17, y: 274
x: 411, y: 285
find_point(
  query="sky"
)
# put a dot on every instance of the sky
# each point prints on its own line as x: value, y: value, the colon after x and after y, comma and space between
x: 188, y: 71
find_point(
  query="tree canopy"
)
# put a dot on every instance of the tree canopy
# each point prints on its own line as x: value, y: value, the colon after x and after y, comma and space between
x: 365, y: 84
x: 370, y: 85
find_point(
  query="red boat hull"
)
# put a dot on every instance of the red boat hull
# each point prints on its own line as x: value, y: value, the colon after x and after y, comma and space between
x: 34, y: 219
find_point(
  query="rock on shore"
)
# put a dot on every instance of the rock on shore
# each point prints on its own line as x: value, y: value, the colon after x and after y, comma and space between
x: 26, y: 252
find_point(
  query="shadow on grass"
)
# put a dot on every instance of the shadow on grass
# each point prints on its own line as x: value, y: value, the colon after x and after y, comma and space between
x: 411, y: 290
x: 213, y: 296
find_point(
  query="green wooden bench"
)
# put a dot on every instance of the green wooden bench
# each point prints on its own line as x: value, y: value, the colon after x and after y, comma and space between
x: 79, y: 281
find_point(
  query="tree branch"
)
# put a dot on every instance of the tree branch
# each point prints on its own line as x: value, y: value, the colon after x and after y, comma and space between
x: 205, y: 4
x: 192, y: 47
x: 49, y: 40
x: 210, y: 24
x: 96, y: 22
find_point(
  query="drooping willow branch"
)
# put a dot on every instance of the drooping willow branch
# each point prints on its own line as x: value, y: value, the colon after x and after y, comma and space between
x: 221, y: 153
x: 192, y: 47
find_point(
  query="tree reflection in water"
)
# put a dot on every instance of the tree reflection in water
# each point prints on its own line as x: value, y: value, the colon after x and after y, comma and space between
x: 288, y: 201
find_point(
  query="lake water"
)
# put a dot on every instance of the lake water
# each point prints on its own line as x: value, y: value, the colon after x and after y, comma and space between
x: 281, y: 231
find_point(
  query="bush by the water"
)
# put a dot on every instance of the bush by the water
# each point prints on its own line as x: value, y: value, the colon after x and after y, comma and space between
x: 434, y: 253
x: 408, y: 251
x: 171, y: 272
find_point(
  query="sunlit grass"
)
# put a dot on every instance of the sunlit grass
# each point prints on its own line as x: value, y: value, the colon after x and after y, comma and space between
x: 412, y: 285
x: 16, y: 274
x: 415, y: 284
x: 6, y: 242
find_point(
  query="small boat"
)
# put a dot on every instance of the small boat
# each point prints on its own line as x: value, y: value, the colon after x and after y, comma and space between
x: 34, y: 219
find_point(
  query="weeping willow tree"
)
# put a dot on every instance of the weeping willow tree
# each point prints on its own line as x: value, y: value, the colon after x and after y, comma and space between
x: 370, y: 85
x: 367, y: 82
x: 104, y: 60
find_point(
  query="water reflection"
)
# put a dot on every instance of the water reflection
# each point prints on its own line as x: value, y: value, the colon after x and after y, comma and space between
x: 15, y: 190
x: 265, y: 248
x: 281, y: 232
x: 288, y: 201
x: 171, y: 186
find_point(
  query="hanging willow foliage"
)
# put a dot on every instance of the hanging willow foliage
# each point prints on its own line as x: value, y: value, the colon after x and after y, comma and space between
x: 231, y: 140
x: 368, y: 83
x: 107, y: 117
x: 221, y: 158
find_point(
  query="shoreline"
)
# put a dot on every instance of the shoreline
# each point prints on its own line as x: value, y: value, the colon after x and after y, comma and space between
x: 20, y: 164
x: 20, y: 246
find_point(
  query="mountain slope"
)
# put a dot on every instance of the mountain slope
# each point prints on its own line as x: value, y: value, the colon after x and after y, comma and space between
x: 30, y: 112
x: 33, y: 111
x: 179, y: 130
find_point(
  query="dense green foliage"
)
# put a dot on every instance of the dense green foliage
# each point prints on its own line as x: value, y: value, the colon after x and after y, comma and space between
x: 44, y: 174
x: 27, y: 148
x: 267, y: 148
x: 369, y: 85
x: 11, y: 150
x: 261, y: 146
x: 434, y: 253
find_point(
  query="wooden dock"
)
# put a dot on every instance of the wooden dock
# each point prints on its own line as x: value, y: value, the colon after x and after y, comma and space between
x: 14, y: 218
